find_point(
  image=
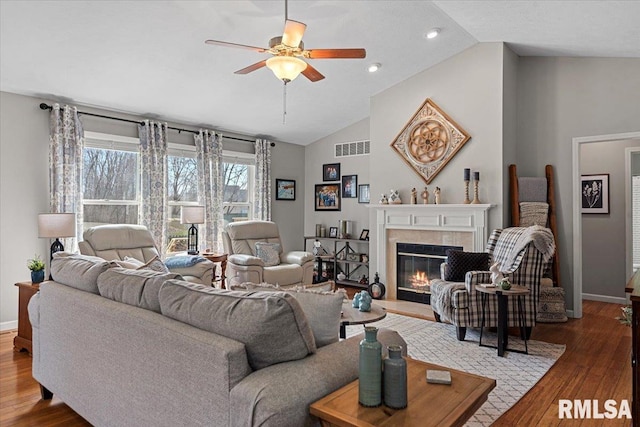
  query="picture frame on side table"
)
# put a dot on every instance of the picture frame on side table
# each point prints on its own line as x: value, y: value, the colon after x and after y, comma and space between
x: 364, y: 235
x: 349, y: 186
x: 331, y: 172
x: 333, y: 232
x: 364, y: 194
x: 327, y: 197
x: 595, y: 193
x: 285, y: 189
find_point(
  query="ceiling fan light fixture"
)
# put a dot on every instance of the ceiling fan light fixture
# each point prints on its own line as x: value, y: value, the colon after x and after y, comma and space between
x: 374, y: 67
x: 432, y: 33
x: 286, y: 68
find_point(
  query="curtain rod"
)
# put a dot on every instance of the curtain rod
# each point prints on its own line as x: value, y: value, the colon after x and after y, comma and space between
x: 44, y: 106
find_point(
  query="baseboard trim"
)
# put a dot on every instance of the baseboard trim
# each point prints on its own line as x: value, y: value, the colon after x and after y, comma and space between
x: 570, y: 314
x: 604, y: 298
x: 6, y: 326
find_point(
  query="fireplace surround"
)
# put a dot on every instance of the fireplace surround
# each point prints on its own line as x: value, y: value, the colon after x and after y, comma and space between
x: 461, y: 225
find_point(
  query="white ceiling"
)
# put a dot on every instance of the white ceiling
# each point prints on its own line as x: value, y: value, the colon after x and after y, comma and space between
x: 149, y: 58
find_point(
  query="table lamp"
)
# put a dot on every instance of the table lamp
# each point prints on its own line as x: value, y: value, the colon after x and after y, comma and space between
x: 192, y: 215
x: 56, y: 226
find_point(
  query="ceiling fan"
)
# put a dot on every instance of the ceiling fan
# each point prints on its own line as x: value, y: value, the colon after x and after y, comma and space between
x: 287, y: 51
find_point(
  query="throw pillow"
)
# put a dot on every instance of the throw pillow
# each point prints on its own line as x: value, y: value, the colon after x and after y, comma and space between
x: 459, y: 262
x: 271, y: 325
x: 78, y: 271
x: 154, y: 264
x: 323, y: 310
x: 269, y: 253
x: 139, y: 288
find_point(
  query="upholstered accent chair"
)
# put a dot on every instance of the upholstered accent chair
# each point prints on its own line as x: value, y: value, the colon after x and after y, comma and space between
x: 243, y: 240
x: 524, y: 254
x: 118, y: 241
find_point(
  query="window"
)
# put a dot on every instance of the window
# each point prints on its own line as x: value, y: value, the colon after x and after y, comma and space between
x: 110, y: 181
x: 111, y: 184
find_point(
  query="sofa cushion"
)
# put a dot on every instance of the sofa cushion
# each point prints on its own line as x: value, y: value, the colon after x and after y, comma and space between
x: 271, y: 325
x: 269, y: 253
x: 139, y: 288
x: 78, y: 271
x: 459, y: 262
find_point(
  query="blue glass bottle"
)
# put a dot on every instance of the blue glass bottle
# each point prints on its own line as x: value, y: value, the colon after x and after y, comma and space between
x: 370, y: 369
x: 395, y: 379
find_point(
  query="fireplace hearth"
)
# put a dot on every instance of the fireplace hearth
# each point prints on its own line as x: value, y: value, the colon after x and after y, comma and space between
x: 418, y: 264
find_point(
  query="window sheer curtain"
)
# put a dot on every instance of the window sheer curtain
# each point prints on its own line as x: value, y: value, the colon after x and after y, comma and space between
x: 262, y: 196
x: 210, y: 187
x: 66, y: 142
x: 153, y: 186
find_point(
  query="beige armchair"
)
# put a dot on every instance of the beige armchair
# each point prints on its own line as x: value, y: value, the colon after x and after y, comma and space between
x: 117, y: 241
x: 244, y: 265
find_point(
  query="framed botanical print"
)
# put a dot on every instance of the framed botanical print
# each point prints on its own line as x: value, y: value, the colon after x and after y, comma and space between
x: 350, y: 186
x: 327, y: 197
x: 595, y: 193
x: 331, y: 172
x: 285, y: 189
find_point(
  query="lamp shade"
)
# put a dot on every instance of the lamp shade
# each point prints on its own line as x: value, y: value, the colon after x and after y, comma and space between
x: 192, y: 215
x: 55, y: 225
x: 286, y: 68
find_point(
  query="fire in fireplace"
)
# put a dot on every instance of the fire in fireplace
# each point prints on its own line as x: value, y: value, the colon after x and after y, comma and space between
x: 416, y: 266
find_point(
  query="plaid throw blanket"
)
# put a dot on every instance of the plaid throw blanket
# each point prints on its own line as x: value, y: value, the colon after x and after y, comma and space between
x: 542, y: 239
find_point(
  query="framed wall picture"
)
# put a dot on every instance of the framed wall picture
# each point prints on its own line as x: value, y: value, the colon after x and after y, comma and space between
x: 331, y: 172
x: 595, y: 193
x: 333, y: 232
x: 364, y: 196
x: 285, y: 189
x: 350, y: 186
x: 327, y: 197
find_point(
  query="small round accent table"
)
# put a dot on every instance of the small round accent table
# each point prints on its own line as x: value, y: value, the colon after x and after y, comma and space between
x: 353, y: 316
x: 503, y: 331
x: 222, y: 259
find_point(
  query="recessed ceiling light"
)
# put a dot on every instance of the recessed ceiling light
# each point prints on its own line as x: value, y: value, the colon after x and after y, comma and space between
x: 374, y: 67
x: 432, y: 33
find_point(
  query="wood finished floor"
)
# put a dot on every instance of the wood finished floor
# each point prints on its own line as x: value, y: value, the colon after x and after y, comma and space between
x: 596, y: 365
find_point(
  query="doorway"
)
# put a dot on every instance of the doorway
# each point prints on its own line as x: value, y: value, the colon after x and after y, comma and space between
x: 577, y: 214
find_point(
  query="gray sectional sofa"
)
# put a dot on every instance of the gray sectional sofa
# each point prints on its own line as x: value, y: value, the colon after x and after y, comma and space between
x: 121, y: 349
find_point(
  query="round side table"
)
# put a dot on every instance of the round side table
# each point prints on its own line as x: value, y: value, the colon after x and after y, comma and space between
x: 222, y: 259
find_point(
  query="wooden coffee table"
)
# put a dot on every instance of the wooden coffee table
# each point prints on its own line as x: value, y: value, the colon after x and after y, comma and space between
x: 353, y: 316
x: 428, y: 404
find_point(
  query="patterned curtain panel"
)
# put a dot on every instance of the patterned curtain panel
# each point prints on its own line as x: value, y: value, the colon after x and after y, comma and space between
x: 66, y: 141
x: 210, y: 187
x: 262, y: 199
x: 153, y: 186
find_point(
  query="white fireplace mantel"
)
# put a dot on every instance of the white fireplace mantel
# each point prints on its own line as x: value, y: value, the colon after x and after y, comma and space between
x: 469, y: 219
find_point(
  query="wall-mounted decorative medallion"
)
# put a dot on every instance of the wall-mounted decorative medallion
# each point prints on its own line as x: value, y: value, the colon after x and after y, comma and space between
x: 429, y: 140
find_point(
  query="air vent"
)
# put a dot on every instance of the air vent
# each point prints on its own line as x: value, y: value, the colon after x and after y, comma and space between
x: 355, y: 148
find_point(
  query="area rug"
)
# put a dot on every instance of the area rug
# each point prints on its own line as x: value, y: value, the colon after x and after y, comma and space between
x: 515, y: 373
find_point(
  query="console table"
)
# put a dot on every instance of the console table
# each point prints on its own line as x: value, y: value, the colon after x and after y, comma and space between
x: 22, y: 341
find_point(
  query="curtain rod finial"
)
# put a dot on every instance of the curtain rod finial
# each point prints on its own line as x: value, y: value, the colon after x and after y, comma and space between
x: 44, y: 106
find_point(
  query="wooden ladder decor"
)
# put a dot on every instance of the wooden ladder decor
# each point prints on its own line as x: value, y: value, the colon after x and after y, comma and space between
x: 551, y: 201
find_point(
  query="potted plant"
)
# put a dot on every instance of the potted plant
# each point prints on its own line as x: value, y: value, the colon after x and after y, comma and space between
x: 36, y: 265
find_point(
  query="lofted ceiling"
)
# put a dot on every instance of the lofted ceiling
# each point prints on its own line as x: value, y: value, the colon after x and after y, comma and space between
x: 149, y: 58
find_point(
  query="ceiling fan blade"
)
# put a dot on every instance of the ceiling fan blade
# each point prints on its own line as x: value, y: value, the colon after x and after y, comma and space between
x: 335, y: 53
x: 293, y: 32
x: 241, y: 46
x: 312, y: 74
x: 252, y: 67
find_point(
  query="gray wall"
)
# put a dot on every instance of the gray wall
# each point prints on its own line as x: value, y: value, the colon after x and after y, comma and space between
x: 24, y: 185
x: 563, y: 98
x: 322, y: 152
x: 603, y: 235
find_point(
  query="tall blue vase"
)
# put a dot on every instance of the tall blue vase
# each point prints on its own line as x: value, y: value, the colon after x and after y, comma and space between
x: 395, y: 379
x: 370, y: 370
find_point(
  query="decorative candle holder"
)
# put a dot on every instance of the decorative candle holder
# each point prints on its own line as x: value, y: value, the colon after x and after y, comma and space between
x: 466, y: 192
x: 476, y: 200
